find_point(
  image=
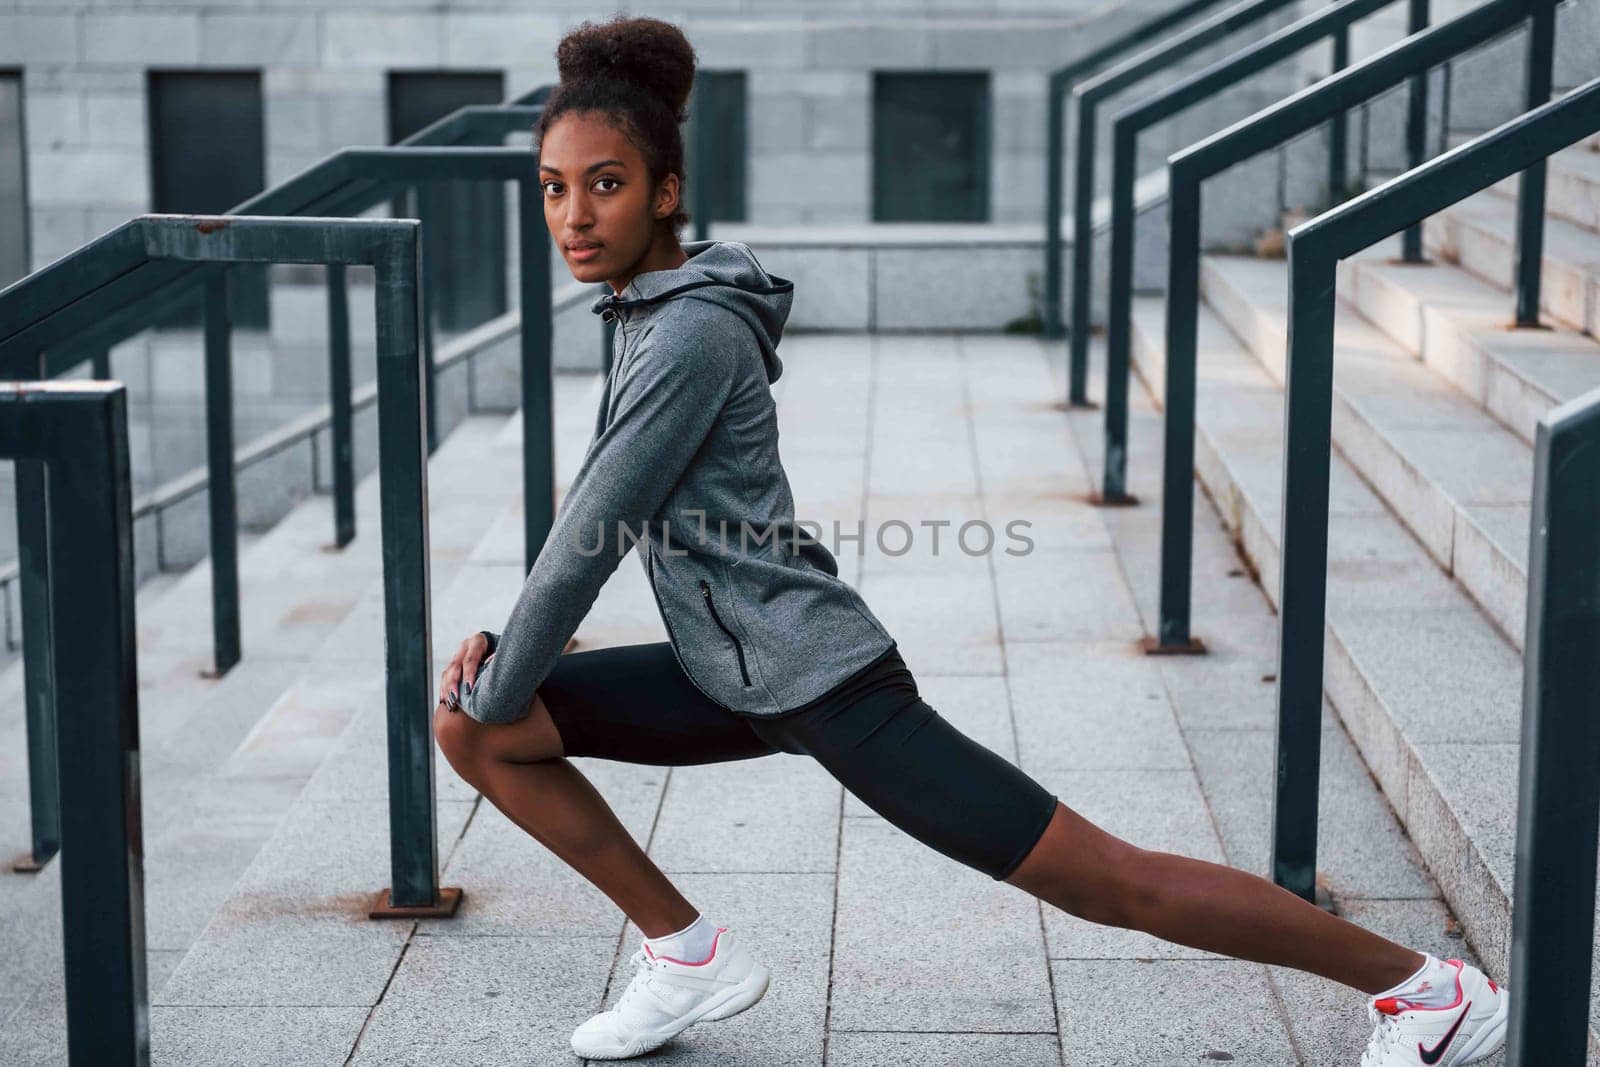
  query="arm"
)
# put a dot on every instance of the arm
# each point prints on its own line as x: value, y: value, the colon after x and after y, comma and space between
x: 666, y: 407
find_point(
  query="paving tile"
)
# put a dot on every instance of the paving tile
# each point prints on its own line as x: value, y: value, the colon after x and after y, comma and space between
x: 299, y: 916
x: 486, y: 1000
x: 904, y: 912
x: 710, y: 820
x: 1091, y: 706
x: 1065, y: 596
x: 1168, y: 1012
x: 247, y: 1037
x: 949, y: 626
x: 848, y: 1048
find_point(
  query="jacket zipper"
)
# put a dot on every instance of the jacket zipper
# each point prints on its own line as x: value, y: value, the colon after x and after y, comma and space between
x: 705, y: 591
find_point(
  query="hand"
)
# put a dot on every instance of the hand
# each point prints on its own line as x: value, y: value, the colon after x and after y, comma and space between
x: 462, y: 668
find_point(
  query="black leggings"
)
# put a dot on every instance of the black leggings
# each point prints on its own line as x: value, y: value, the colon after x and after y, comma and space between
x: 873, y: 732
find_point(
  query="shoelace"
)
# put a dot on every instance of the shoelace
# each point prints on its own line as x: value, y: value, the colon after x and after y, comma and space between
x: 641, y: 978
x: 1384, y: 1038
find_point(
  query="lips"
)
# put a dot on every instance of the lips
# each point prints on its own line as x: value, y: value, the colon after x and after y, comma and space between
x: 582, y: 247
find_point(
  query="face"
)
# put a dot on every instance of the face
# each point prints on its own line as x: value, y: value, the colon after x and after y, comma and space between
x: 598, y: 201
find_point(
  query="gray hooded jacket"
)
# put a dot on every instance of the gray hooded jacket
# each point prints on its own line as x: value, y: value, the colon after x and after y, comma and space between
x: 683, y: 468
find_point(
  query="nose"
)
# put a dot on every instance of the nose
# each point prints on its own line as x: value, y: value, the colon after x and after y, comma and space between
x: 580, y: 212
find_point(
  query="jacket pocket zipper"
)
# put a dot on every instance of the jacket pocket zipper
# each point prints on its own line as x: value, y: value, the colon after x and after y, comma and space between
x: 705, y: 591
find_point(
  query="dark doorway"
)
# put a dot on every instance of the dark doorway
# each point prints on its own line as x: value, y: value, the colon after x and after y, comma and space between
x: 930, y: 146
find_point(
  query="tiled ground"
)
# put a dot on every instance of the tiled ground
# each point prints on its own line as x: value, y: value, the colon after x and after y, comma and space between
x: 266, y: 823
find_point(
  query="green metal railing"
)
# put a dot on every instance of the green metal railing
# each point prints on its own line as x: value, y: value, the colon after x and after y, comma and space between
x: 78, y: 432
x: 1559, y: 811
x: 1268, y: 129
x: 94, y: 763
x: 1332, y: 22
x: 1087, y: 99
x: 33, y: 328
x: 1558, y: 807
x: 1062, y: 80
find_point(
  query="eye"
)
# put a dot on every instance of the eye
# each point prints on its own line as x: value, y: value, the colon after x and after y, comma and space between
x: 608, y: 178
x: 547, y: 186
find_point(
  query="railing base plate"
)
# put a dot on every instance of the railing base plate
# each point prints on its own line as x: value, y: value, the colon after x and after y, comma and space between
x: 1126, y: 500
x: 1152, y: 646
x: 26, y: 864
x: 445, y: 907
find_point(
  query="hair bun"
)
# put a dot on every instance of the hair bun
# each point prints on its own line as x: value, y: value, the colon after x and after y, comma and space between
x: 651, y: 54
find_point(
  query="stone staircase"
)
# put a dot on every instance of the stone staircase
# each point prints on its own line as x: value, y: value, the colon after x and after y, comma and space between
x: 1435, y: 404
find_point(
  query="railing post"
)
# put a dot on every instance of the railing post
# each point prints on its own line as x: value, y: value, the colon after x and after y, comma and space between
x: 32, y: 497
x: 221, y: 493
x: 538, y: 399
x: 1302, y: 584
x: 341, y: 431
x: 1558, y: 808
x: 1055, y: 148
x: 430, y: 370
x: 1119, y: 312
x: 1183, y: 343
x: 408, y: 628
x: 80, y: 431
x: 1339, y: 128
x: 1082, y: 250
x: 1416, y: 126
x: 1531, y: 185
x: 1177, y: 493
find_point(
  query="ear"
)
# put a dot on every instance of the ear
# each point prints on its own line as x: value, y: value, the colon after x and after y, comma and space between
x: 667, y: 194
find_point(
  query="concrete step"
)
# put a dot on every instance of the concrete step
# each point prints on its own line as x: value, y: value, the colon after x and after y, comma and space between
x: 1479, y: 233
x: 1456, y: 324
x: 1426, y: 686
x: 1457, y: 479
x: 1572, y: 187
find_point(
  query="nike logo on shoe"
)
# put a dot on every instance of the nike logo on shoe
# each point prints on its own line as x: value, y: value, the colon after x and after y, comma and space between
x: 1434, y: 1054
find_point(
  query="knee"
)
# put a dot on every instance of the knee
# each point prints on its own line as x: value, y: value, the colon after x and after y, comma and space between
x: 458, y: 735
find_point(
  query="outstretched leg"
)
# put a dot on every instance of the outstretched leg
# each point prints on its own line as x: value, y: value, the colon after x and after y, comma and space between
x: 913, y: 767
x: 1087, y: 872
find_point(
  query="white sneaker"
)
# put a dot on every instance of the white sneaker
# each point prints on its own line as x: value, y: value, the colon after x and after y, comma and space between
x: 1471, y: 1028
x: 666, y: 996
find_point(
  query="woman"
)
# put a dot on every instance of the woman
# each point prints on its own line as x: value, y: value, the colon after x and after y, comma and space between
x: 768, y: 649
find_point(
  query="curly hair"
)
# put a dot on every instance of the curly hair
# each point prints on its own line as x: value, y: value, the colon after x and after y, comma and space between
x: 638, y: 71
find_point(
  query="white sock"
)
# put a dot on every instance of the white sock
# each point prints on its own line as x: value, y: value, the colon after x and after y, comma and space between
x: 692, y: 944
x: 1432, y: 986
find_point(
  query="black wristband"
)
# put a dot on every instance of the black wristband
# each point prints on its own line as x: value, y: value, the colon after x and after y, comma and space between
x: 492, y: 639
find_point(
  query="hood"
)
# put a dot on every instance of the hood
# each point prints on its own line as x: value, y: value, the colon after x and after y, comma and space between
x: 719, y: 272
